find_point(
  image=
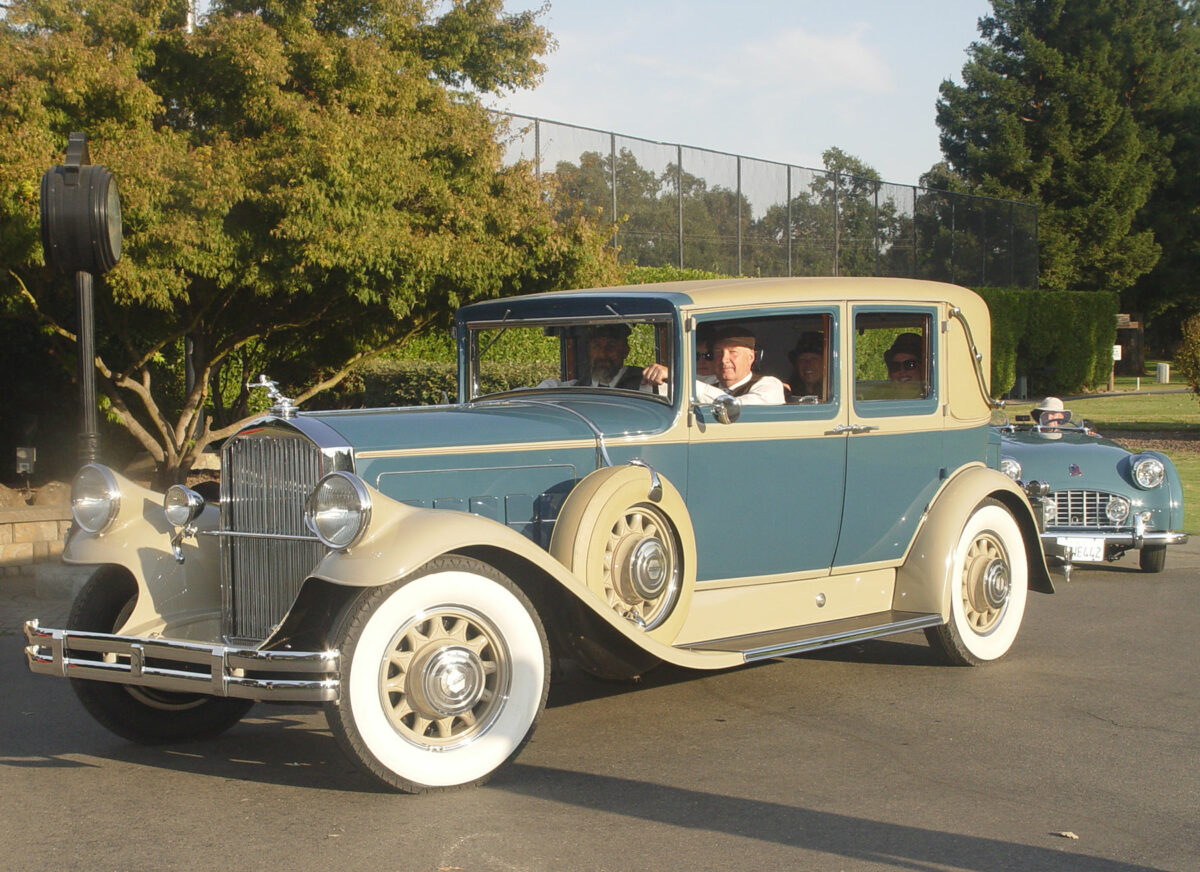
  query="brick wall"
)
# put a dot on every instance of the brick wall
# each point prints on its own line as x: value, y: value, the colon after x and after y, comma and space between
x: 31, y: 535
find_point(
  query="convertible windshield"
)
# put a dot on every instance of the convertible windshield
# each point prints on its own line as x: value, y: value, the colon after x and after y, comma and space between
x: 607, y: 354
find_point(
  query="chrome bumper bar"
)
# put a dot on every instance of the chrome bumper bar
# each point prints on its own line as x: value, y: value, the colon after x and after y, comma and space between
x: 184, y: 667
x: 1121, y: 537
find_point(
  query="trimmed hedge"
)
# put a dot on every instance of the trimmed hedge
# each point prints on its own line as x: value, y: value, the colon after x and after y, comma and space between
x: 1061, y: 341
x: 385, y: 383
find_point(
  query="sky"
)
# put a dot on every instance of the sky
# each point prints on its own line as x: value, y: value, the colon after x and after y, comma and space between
x: 780, y: 80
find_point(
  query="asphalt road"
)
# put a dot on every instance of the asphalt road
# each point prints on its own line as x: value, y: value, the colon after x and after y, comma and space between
x: 872, y: 757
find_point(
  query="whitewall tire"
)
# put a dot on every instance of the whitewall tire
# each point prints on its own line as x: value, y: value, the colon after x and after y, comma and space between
x: 444, y: 676
x: 989, y: 583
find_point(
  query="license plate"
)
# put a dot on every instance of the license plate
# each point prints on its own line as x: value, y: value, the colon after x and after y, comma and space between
x: 1083, y: 550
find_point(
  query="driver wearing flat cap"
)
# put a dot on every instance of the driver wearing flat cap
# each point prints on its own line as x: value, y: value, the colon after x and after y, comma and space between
x: 734, y: 353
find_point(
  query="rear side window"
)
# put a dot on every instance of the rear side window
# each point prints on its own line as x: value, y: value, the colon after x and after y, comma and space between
x: 894, y: 359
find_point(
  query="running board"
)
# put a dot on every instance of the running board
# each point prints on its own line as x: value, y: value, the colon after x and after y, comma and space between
x: 794, y: 640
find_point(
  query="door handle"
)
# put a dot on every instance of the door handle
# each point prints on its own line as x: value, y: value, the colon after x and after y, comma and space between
x: 854, y: 428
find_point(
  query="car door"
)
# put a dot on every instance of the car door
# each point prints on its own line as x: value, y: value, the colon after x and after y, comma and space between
x: 765, y: 492
x: 894, y: 450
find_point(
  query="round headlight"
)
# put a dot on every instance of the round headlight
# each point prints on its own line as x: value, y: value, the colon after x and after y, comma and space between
x: 339, y: 509
x: 182, y: 505
x: 1010, y: 467
x: 1117, y: 509
x: 1148, y: 472
x: 95, y: 498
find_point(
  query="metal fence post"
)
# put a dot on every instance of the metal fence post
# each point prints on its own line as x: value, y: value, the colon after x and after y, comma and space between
x: 679, y: 198
x: 788, y: 228
x: 739, y: 215
x: 837, y: 252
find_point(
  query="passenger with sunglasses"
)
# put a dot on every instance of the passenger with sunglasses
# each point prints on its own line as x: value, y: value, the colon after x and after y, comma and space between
x: 903, y: 359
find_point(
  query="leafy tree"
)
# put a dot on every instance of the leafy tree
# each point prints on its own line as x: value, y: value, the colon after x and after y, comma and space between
x: 1057, y: 108
x: 306, y: 184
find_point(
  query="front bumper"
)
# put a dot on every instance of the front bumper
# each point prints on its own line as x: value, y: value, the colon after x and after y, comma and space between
x: 1125, y: 539
x: 184, y: 667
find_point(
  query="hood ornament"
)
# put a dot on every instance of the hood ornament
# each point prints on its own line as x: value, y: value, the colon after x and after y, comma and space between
x: 282, y: 406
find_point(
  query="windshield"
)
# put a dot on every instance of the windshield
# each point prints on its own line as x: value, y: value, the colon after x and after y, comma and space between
x: 604, y: 354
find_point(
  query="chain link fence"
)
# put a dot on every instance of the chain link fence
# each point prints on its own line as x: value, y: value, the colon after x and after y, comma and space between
x: 676, y: 205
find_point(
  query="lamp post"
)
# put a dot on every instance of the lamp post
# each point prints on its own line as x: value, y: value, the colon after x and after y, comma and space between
x: 81, y: 234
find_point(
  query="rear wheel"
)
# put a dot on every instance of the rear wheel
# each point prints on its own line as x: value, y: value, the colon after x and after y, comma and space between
x: 989, y: 583
x: 141, y: 714
x: 1152, y: 558
x: 444, y: 676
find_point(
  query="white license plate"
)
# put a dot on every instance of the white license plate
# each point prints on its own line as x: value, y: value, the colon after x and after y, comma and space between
x: 1083, y: 550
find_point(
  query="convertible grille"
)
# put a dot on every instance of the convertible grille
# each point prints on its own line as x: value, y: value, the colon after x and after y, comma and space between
x: 1081, y: 509
x: 266, y: 476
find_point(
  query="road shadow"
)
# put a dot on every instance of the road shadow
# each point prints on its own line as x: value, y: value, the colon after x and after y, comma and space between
x: 884, y: 845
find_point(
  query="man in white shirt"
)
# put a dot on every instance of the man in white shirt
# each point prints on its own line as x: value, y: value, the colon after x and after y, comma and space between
x: 734, y: 353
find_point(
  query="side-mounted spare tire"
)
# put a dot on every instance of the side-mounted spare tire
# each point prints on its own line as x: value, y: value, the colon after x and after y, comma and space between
x: 625, y: 532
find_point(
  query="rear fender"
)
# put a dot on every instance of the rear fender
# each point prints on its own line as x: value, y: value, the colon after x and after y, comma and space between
x: 923, y: 581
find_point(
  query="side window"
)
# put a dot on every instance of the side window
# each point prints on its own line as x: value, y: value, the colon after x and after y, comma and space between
x: 893, y: 358
x: 777, y: 360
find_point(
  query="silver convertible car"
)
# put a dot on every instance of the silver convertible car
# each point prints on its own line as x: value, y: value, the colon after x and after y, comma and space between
x: 1098, y: 500
x: 702, y: 473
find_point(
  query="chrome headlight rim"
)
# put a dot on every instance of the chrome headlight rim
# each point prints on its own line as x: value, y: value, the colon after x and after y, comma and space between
x: 95, y: 498
x: 1148, y: 472
x: 338, y: 511
x: 1011, y: 467
x: 182, y: 505
x: 1117, y: 509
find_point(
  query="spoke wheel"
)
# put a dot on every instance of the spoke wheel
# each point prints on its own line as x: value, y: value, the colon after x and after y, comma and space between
x: 989, y: 582
x: 445, y: 679
x: 642, y: 573
x: 444, y: 676
x: 141, y: 714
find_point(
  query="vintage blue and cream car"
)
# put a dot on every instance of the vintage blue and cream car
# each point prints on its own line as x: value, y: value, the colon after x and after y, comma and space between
x: 1099, y: 499
x: 703, y: 473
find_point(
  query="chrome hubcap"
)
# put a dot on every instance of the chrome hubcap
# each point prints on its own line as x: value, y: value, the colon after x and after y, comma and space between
x: 641, y: 567
x: 987, y: 582
x: 444, y: 678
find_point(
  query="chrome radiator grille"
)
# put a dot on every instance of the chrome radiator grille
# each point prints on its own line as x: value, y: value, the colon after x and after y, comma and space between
x: 1081, y: 508
x: 266, y: 474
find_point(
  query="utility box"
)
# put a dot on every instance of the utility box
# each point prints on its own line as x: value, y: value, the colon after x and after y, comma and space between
x: 1162, y: 373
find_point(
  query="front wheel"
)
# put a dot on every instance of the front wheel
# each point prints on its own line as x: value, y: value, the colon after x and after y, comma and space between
x: 445, y: 674
x: 1152, y: 558
x: 141, y: 714
x: 988, y: 586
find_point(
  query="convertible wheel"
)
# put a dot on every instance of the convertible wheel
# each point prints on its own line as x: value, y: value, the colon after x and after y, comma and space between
x: 1152, y: 558
x: 989, y: 584
x: 445, y: 675
x: 141, y: 714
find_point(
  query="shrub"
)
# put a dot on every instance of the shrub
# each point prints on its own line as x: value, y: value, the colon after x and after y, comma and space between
x: 1187, y: 357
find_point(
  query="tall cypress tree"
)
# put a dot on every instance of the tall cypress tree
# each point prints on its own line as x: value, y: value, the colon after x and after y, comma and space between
x: 1058, y: 106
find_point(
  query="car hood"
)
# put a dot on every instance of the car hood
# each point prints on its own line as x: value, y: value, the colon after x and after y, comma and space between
x: 550, y: 417
x: 1069, y: 460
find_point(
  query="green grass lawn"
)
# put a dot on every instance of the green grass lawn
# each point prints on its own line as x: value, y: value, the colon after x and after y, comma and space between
x: 1159, y: 408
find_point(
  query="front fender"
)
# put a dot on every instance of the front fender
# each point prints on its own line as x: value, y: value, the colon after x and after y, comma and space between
x: 403, y: 538
x: 176, y: 600
x: 923, y: 582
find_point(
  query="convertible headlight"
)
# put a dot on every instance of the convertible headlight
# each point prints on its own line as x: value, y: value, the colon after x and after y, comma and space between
x: 1148, y: 472
x: 182, y: 505
x: 1117, y: 509
x: 339, y: 510
x: 95, y: 498
x: 1010, y: 467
